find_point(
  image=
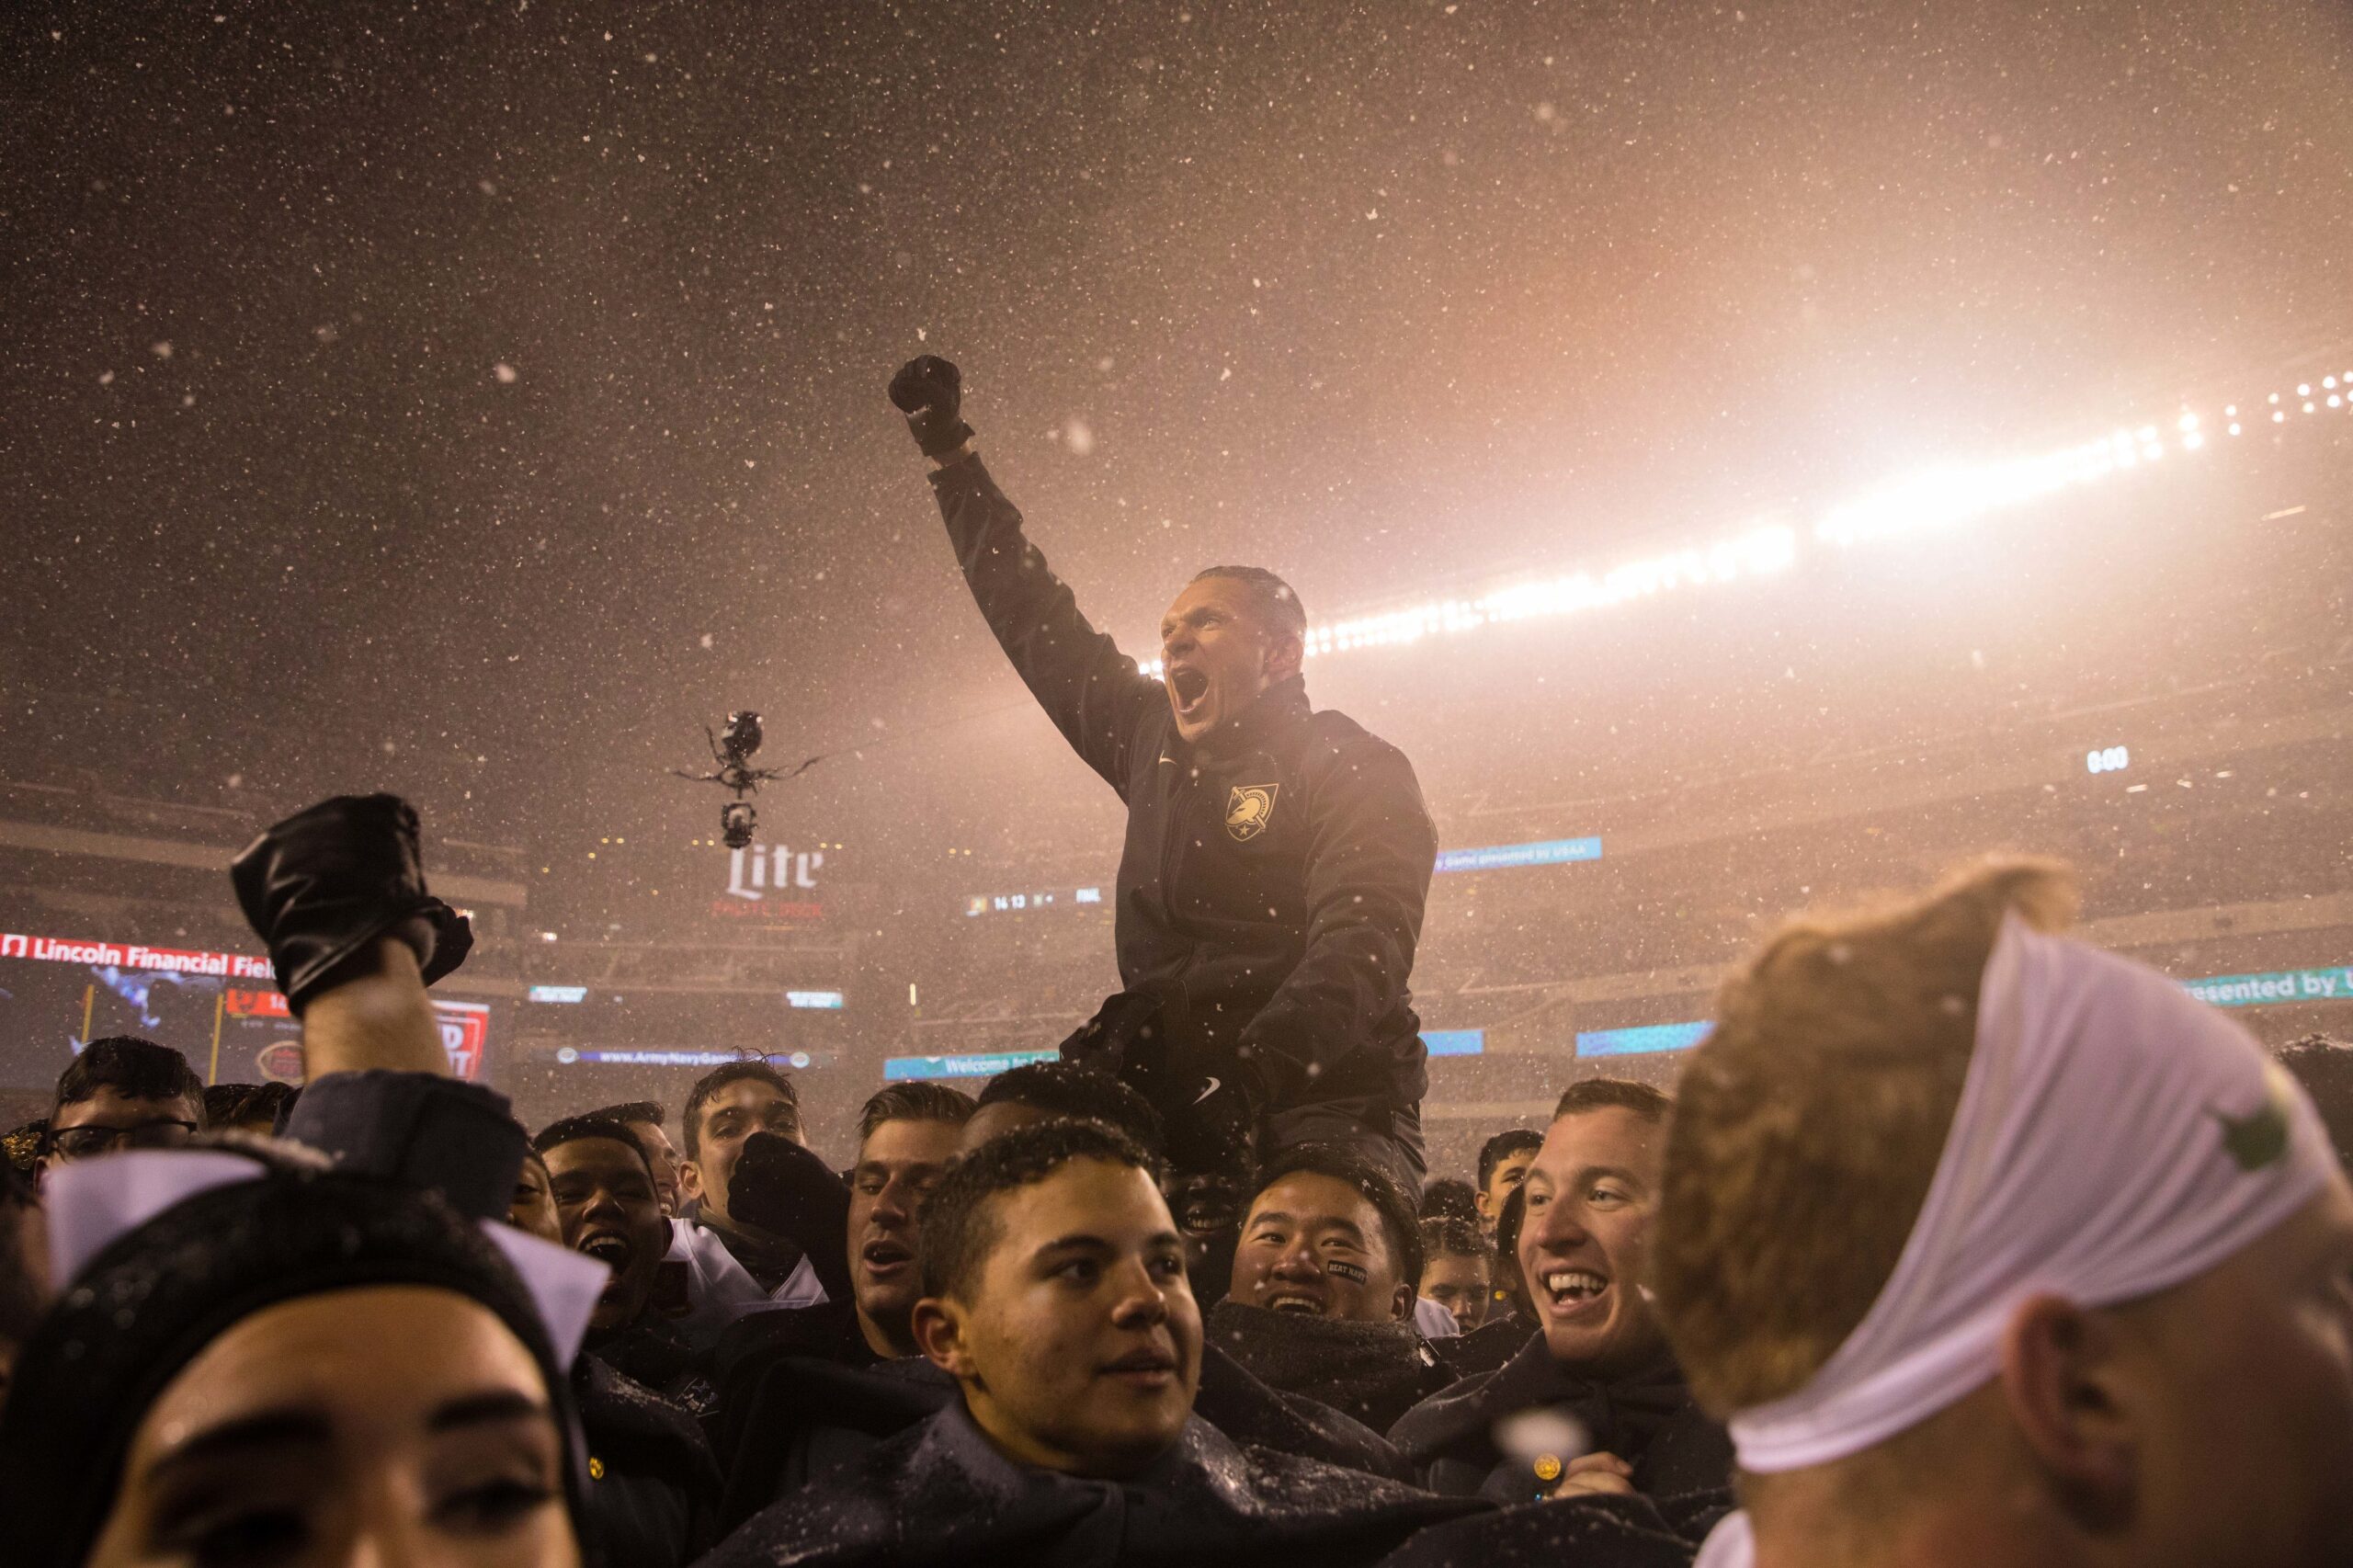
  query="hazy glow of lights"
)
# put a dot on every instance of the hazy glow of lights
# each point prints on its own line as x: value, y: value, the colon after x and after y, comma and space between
x: 1956, y: 492
x: 1754, y: 553
x: 1939, y: 496
x: 2304, y: 389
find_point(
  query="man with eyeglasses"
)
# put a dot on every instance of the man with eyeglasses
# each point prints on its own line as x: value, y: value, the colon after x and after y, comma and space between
x: 123, y: 1092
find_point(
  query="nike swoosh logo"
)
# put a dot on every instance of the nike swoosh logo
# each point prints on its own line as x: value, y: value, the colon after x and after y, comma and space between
x: 1206, y: 1093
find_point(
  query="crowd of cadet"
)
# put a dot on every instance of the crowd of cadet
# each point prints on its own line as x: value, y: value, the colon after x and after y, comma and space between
x: 1961, y: 1242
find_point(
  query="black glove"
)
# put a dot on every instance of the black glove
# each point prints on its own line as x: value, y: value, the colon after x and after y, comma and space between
x: 324, y: 885
x: 784, y: 1189
x: 929, y: 391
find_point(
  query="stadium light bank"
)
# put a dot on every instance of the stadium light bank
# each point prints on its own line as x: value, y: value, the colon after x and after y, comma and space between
x: 1938, y: 498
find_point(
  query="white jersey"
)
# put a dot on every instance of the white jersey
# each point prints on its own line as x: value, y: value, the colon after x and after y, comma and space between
x: 719, y: 1289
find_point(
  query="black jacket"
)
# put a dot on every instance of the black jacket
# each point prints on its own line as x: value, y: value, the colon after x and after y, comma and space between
x: 1372, y: 1372
x: 1604, y: 1532
x: 1272, y: 887
x: 653, y: 1494
x: 809, y: 1413
x: 1645, y: 1417
x: 940, y: 1494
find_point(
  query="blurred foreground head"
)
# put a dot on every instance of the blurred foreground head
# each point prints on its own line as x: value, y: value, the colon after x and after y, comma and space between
x: 1054, y: 1293
x: 290, y: 1366
x: 1992, y: 1246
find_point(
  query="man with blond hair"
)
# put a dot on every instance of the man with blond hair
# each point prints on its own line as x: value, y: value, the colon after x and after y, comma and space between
x: 1993, y: 1247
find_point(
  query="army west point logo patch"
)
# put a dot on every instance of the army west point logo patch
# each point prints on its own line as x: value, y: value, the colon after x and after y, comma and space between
x: 1249, y: 809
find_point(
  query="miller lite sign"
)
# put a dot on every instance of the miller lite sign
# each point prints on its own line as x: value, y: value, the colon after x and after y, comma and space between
x: 771, y: 883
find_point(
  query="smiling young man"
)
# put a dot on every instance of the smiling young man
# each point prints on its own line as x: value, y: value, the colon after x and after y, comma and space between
x: 1054, y: 1296
x: 1322, y: 1303
x: 1276, y: 858
x: 1598, y: 1357
x: 812, y: 1388
x: 653, y: 1487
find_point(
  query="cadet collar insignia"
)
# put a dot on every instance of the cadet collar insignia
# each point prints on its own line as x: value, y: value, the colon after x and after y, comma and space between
x: 2260, y: 1137
x: 1249, y: 809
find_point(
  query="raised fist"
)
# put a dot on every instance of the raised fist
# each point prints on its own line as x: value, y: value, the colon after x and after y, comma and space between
x: 929, y: 392
x: 322, y: 886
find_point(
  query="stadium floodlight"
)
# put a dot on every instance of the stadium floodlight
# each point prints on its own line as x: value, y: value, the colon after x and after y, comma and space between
x: 1956, y: 492
x: 1939, y: 496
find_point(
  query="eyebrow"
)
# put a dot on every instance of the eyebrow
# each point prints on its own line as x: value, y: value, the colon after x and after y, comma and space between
x: 1276, y: 1216
x: 264, y: 1429
x: 1082, y: 1242
x: 887, y: 1167
x: 483, y: 1409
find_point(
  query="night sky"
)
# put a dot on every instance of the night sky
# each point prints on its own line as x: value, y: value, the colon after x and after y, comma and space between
x: 475, y: 399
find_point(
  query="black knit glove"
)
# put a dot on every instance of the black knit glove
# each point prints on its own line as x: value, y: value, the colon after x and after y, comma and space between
x: 929, y: 392
x: 323, y: 886
x: 784, y: 1189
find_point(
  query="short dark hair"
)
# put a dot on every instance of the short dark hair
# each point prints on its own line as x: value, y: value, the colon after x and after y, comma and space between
x: 1451, y: 1198
x: 226, y: 1105
x: 594, y: 1124
x: 630, y: 1110
x: 1651, y: 1105
x: 2324, y: 1067
x: 1086, y: 1094
x: 134, y: 1068
x: 958, y: 1232
x: 918, y: 1100
x: 1447, y: 1236
x: 1274, y: 598
x: 1398, y: 1225
x: 718, y: 1078
x: 1503, y: 1146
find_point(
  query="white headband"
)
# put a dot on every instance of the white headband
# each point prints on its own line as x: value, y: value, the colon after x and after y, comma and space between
x: 88, y: 1203
x: 2115, y: 1137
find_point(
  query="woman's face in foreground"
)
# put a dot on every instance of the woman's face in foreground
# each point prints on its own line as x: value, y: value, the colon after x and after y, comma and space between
x: 394, y: 1424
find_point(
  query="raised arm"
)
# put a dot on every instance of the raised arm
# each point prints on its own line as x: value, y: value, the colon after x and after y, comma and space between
x: 337, y: 892
x: 1094, y: 693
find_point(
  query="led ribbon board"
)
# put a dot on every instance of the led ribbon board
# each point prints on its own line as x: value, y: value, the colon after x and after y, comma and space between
x: 1546, y: 852
x: 2335, y: 984
x: 1643, y: 1040
x: 987, y: 1065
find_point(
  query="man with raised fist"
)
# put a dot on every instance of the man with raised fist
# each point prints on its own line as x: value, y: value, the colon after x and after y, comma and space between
x: 1276, y: 858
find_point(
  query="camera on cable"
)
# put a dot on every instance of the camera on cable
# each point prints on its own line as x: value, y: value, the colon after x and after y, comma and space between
x: 732, y: 749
